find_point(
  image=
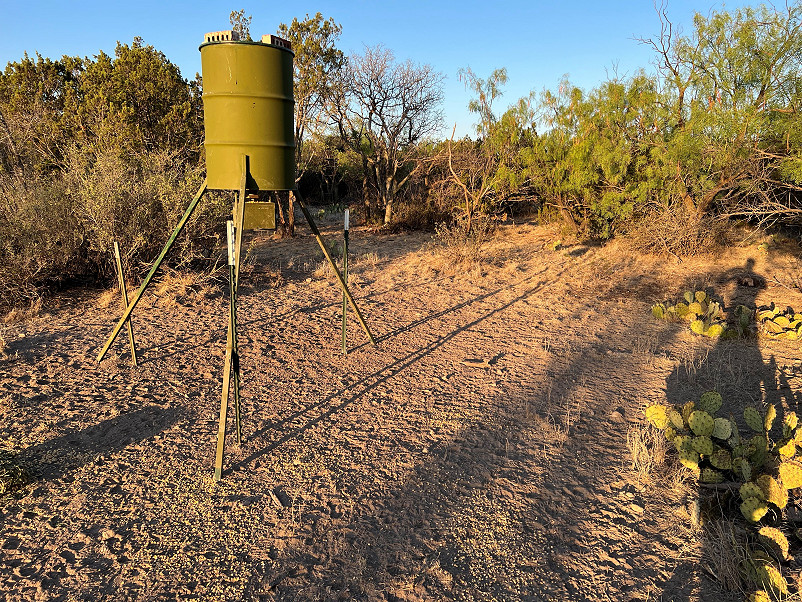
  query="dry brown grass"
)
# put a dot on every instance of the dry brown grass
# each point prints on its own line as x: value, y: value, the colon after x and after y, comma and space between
x: 23, y: 314
x: 676, y: 232
x: 647, y: 449
x: 184, y: 288
x: 726, y: 554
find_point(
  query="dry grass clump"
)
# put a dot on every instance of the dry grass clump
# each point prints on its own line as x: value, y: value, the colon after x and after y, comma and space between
x: 22, y: 314
x: 677, y: 232
x: 187, y: 287
x: 647, y: 449
x: 725, y: 550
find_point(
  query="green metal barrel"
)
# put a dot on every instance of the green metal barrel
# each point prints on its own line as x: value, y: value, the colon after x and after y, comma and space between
x: 248, y: 109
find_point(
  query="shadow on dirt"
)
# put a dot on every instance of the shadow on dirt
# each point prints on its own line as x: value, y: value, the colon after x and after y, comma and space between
x: 58, y: 457
x: 500, y: 511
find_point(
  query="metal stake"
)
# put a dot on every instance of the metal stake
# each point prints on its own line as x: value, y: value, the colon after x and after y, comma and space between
x: 333, y: 265
x: 149, y: 277
x: 124, y: 299
x: 345, y: 277
x: 232, y: 348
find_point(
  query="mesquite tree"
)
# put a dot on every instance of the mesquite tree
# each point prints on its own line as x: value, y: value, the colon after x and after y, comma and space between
x: 383, y: 110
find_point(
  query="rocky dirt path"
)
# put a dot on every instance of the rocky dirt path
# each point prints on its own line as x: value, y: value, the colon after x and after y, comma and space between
x: 479, y: 452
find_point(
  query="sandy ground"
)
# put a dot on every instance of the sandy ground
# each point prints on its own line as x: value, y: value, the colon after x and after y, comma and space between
x: 478, y: 452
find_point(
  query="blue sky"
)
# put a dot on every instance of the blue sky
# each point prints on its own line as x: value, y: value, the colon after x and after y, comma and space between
x: 537, y: 41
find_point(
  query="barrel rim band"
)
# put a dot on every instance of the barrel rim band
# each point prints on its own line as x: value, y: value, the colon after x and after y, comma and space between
x: 245, y: 43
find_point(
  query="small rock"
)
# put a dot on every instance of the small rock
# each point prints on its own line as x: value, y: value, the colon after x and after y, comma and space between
x: 617, y: 416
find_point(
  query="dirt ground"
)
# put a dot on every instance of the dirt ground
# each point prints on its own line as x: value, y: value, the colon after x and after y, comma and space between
x: 478, y: 452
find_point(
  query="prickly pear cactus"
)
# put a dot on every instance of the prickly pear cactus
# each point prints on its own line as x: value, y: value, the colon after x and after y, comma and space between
x: 701, y: 423
x: 771, y: 414
x: 750, y: 489
x: 670, y: 433
x: 709, y: 475
x: 702, y: 445
x: 772, y: 491
x: 758, y: 596
x: 753, y: 419
x: 786, y: 449
x: 689, y: 458
x: 721, y: 459
x: 676, y: 419
x: 753, y: 509
x: 790, y: 422
x: 698, y: 326
x: 775, y: 540
x: 659, y: 311
x: 710, y: 402
x: 657, y: 415
x: 778, y: 324
x: 791, y: 474
x: 687, y: 409
x: 722, y: 429
x: 771, y: 578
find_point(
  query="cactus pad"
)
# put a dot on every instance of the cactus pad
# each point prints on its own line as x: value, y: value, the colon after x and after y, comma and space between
x: 688, y: 296
x: 786, y: 449
x: 710, y: 402
x: 709, y: 475
x: 689, y: 459
x: 695, y: 309
x: 774, y: 539
x: 743, y: 468
x: 772, y: 491
x: 700, y: 296
x: 698, y: 327
x: 714, y: 331
x: 750, y: 489
x: 670, y: 433
x: 770, y: 578
x: 676, y: 420
x: 682, y: 442
x: 790, y: 422
x: 771, y: 414
x: 758, y: 596
x: 687, y: 410
x: 659, y: 311
x: 702, y: 445
x: 753, y: 419
x: 791, y: 474
x: 657, y: 415
x: 721, y: 459
x: 722, y: 428
x: 701, y: 423
x: 753, y: 509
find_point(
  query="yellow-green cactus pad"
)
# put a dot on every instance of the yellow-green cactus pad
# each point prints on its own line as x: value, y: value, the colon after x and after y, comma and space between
x: 750, y: 489
x: 753, y: 509
x: 710, y: 402
x: 689, y: 459
x: 702, y: 445
x: 676, y: 420
x: 774, y: 539
x: 701, y: 423
x: 773, y: 492
x: 722, y: 429
x: 791, y: 474
x: 753, y: 419
x: 698, y: 327
x: 721, y: 459
x: 786, y: 449
x: 710, y: 475
x: 657, y: 415
x: 771, y: 414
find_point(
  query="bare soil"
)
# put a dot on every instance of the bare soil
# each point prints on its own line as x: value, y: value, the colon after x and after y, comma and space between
x: 478, y: 452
